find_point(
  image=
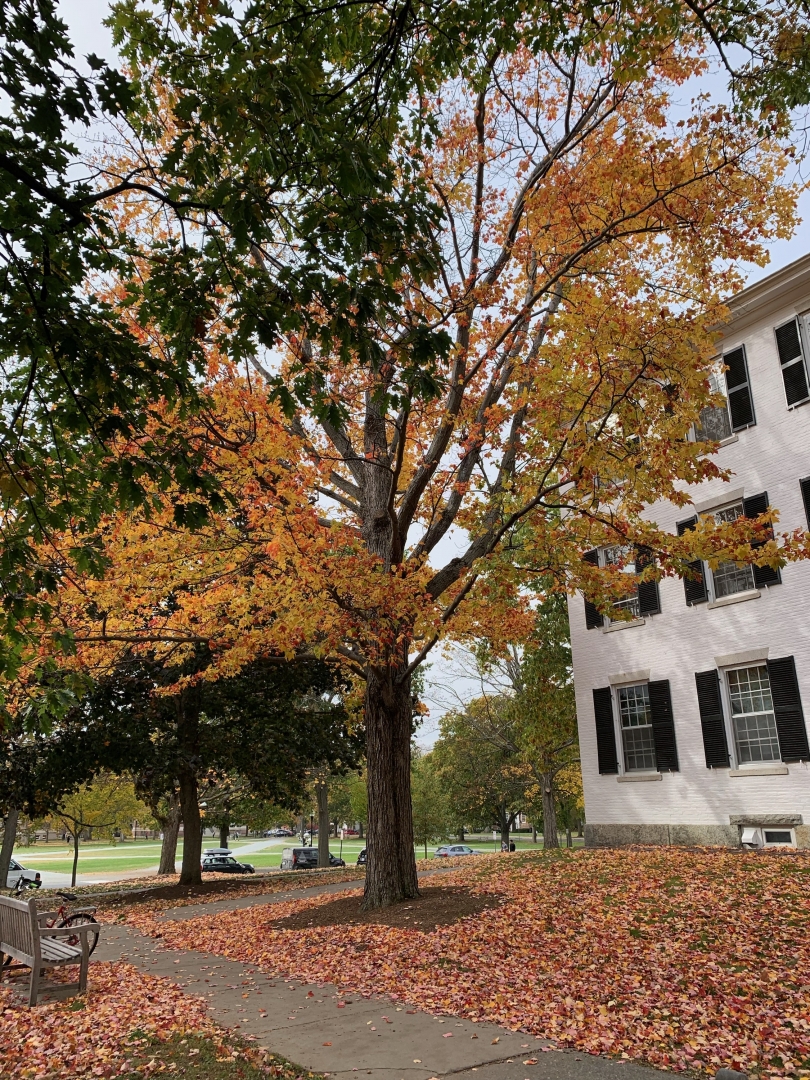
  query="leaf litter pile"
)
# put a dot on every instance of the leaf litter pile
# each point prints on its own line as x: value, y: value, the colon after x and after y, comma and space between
x: 129, y: 1025
x: 687, y: 959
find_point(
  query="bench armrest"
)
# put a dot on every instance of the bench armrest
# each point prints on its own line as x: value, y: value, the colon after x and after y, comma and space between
x: 68, y: 931
x: 43, y: 915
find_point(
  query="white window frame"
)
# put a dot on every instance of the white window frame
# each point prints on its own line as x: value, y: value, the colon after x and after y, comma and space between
x: 777, y: 843
x: 630, y: 568
x: 616, y: 689
x: 718, y: 375
x: 708, y: 573
x: 731, y: 737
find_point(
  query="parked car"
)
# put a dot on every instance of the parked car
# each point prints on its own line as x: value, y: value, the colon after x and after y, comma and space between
x: 350, y: 832
x: 361, y: 858
x: 225, y: 864
x: 450, y: 851
x: 280, y: 830
x: 15, y: 872
x: 305, y: 858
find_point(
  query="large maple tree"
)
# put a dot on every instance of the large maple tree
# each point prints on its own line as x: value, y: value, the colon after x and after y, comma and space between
x: 586, y: 235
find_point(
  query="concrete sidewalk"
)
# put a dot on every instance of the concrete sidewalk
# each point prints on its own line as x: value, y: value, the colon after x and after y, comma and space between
x: 345, y: 1035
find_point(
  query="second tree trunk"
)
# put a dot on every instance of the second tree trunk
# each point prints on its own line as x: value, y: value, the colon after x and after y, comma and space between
x: 391, y: 866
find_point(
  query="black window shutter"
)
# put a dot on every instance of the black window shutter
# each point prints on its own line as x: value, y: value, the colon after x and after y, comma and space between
x: 649, y: 602
x: 593, y: 617
x: 753, y: 507
x: 712, y: 722
x: 663, y: 725
x: 694, y: 587
x: 805, y: 486
x: 605, y: 731
x: 787, y: 707
x: 789, y: 345
x: 738, y: 386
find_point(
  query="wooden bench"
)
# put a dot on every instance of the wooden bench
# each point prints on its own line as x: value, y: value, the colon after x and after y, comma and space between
x: 25, y: 937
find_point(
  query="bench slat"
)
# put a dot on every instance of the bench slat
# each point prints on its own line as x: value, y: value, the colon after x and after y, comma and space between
x: 58, y: 951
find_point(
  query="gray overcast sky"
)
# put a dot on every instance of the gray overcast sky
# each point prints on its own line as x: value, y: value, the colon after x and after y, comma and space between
x: 85, y: 19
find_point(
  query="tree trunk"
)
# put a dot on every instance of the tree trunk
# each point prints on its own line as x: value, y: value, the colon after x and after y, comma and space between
x: 7, y: 850
x: 75, y: 854
x: 171, y: 831
x: 224, y: 832
x: 190, y: 872
x: 461, y: 835
x: 568, y: 841
x: 322, y: 796
x: 188, y: 738
x: 534, y: 833
x: 550, y: 838
x: 504, y: 823
x: 391, y: 867
x: 359, y: 830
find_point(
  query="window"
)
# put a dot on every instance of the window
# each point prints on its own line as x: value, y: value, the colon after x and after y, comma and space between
x: 638, y: 740
x: 729, y: 378
x: 805, y: 489
x: 624, y: 559
x: 792, y: 359
x: 730, y: 578
x: 778, y: 838
x: 715, y: 424
x: 752, y: 715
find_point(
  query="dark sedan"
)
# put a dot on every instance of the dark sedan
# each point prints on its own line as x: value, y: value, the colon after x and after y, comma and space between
x: 305, y: 858
x: 226, y: 864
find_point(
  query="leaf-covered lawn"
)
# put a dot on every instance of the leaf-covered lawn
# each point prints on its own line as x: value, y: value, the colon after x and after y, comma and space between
x: 90, y: 1035
x: 128, y: 1025
x: 686, y: 959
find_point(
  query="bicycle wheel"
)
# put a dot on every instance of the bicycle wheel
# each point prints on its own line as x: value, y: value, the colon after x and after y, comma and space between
x: 80, y: 920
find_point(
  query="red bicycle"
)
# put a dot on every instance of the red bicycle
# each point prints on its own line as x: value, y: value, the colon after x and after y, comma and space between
x: 63, y: 917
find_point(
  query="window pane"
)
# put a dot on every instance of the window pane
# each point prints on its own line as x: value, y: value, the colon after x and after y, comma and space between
x: 637, y: 733
x: 778, y: 836
x: 714, y: 424
x: 616, y: 556
x: 731, y: 578
x: 714, y: 421
x: 752, y: 715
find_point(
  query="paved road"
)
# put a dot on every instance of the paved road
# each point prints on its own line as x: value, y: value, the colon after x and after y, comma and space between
x: 325, y: 1029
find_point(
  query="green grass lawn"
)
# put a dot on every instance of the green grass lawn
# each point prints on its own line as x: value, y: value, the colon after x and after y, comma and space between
x: 101, y: 857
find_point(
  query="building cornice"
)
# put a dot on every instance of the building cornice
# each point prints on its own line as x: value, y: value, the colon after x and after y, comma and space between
x: 788, y: 287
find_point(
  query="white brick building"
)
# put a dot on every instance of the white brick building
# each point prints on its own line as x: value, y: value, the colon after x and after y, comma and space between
x: 692, y: 717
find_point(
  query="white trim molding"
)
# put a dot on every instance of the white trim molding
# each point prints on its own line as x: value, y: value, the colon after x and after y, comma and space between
x: 623, y: 677
x: 761, y: 770
x: 735, y: 598
x: 637, y: 777
x: 731, y: 495
x: 747, y: 656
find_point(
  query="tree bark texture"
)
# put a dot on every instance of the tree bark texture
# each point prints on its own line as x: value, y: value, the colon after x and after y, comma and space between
x: 188, y: 738
x: 190, y: 872
x: 7, y: 849
x: 171, y: 831
x: 75, y: 854
x: 504, y: 827
x: 224, y: 832
x: 550, y: 838
x: 322, y: 795
x: 391, y: 866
